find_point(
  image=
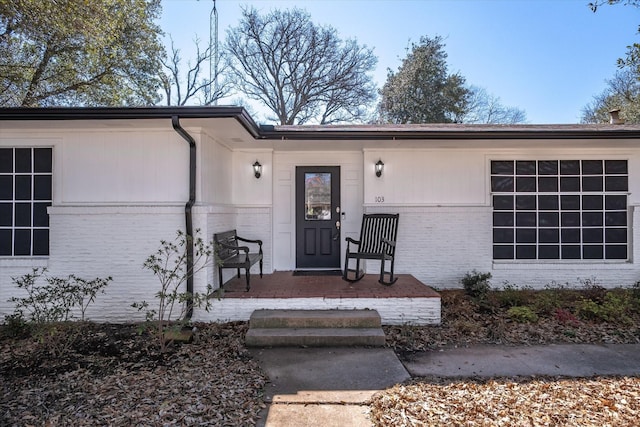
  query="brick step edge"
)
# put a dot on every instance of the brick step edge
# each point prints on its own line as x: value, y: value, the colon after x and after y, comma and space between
x: 315, y: 337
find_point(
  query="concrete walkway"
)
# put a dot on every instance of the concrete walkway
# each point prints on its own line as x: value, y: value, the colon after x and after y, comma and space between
x: 332, y: 386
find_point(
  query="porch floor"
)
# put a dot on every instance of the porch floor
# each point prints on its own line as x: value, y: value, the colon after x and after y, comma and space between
x: 283, y: 284
x: 408, y: 301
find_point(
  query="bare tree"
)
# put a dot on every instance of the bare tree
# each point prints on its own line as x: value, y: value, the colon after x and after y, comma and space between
x: 181, y: 87
x: 485, y: 108
x: 302, y: 72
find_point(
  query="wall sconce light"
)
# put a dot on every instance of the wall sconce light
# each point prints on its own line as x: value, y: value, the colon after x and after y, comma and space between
x: 257, y: 169
x: 379, y: 168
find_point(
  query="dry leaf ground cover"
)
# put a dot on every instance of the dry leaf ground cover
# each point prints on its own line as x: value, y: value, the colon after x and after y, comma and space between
x: 84, y: 374
x: 558, y: 315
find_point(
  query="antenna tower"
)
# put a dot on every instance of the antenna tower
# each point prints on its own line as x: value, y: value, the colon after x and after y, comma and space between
x: 213, y: 58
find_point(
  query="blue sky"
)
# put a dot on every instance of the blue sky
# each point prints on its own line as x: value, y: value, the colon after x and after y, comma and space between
x: 547, y: 57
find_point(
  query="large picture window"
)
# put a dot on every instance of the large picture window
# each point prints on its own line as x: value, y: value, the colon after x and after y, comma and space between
x: 559, y: 209
x: 25, y: 194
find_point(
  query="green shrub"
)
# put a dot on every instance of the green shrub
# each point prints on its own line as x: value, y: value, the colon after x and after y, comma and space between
x: 511, y: 296
x: 522, y: 314
x: 614, y: 308
x: 476, y: 285
x: 53, y: 299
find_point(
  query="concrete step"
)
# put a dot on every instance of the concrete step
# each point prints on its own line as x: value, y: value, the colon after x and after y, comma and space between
x: 315, y: 319
x: 314, y: 337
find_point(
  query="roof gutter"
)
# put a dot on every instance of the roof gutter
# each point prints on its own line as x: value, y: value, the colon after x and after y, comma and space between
x: 188, y: 214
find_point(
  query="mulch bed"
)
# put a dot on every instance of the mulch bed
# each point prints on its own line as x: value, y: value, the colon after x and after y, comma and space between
x: 114, y: 375
x: 536, y: 401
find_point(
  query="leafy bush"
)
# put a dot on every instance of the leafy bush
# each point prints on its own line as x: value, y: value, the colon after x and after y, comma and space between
x: 169, y: 265
x: 511, y: 295
x: 476, y: 285
x: 614, y: 308
x: 592, y: 291
x: 522, y: 314
x: 566, y: 317
x: 53, y: 299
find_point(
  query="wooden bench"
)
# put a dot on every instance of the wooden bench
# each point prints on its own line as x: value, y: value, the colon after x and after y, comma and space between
x: 377, y: 242
x: 231, y: 255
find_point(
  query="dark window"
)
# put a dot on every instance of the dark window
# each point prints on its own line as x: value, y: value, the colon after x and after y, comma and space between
x: 560, y: 209
x: 25, y: 195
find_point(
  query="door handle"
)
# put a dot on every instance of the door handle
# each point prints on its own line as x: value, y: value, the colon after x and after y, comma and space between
x: 337, y: 235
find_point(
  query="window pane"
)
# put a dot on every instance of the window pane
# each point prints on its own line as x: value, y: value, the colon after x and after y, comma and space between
x: 548, y: 167
x: 615, y: 218
x: 615, y: 167
x: 526, y: 235
x: 548, y: 219
x: 23, y: 187
x: 42, y: 160
x: 525, y: 184
x: 592, y: 235
x: 592, y: 202
x: 548, y: 184
x: 42, y: 187
x: 40, y: 242
x: 570, y: 235
x: 6, y: 160
x: 22, y: 215
x: 525, y: 168
x: 549, y: 235
x: 526, y: 203
x: 592, y: 167
x: 592, y: 219
x: 593, y: 252
x: 570, y: 219
x: 569, y: 167
x: 525, y: 252
x: 616, y: 183
x: 502, y: 203
x: 40, y: 216
x: 615, y: 235
x: 6, y: 242
x: 23, y: 160
x: 502, y: 252
x: 6, y: 214
x: 569, y: 184
x: 503, y: 235
x: 6, y: 188
x: 317, y: 196
x: 549, y: 252
x: 615, y: 202
x: 501, y: 184
x: 22, y: 242
x: 592, y: 183
x: 526, y: 219
x: 548, y: 203
x: 616, y: 251
x: 570, y: 252
x: 501, y: 167
x: 570, y: 203
x: 502, y: 219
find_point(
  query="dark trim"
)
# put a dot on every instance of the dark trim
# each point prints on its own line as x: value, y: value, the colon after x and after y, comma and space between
x: 175, y: 122
x: 131, y: 113
x: 335, y: 132
x: 465, y: 133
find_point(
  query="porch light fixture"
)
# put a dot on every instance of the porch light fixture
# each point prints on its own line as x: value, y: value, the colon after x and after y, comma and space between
x: 257, y: 169
x: 379, y: 168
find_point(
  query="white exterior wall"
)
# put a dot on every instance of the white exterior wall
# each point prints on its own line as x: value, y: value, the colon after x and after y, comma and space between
x: 284, y: 227
x: 445, y: 228
x: 116, y: 194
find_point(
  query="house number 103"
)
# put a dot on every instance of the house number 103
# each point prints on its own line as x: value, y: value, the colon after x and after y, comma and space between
x: 379, y: 199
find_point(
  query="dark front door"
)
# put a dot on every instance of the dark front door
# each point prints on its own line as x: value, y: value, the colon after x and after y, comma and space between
x: 318, y: 217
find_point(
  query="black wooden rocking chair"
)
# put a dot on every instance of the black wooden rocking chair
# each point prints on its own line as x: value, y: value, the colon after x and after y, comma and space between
x: 377, y: 242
